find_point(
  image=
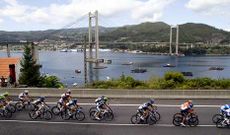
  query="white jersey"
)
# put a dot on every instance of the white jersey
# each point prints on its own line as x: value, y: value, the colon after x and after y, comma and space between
x: 61, y: 100
x: 22, y: 95
x: 227, y: 112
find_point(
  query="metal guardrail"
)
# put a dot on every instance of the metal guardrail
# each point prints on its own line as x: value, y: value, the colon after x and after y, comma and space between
x: 124, y: 93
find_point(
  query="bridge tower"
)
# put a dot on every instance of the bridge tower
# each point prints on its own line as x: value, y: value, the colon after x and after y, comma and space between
x: 91, y: 43
x: 177, y: 39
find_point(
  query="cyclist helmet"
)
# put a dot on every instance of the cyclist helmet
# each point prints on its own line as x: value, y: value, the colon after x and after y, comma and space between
x: 5, y: 94
x: 26, y: 91
x: 68, y: 91
x: 151, y: 101
x: 42, y: 99
x: 106, y: 98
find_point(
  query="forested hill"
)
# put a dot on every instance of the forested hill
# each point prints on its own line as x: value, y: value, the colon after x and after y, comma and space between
x: 159, y: 32
x: 149, y: 32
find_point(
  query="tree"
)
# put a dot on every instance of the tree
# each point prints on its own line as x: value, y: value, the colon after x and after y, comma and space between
x: 30, y: 74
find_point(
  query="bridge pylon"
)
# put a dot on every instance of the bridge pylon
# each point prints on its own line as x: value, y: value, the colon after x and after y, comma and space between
x: 177, y: 39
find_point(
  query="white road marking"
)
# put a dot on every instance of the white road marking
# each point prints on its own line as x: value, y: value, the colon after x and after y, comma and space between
x: 96, y: 124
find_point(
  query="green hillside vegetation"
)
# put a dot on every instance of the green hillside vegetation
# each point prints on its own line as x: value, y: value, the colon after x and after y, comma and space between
x: 159, y: 32
x: 144, y: 32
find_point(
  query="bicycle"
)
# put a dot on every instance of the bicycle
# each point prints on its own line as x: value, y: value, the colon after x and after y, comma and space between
x: 28, y: 105
x: 4, y: 112
x: 77, y: 114
x: 150, y: 119
x: 191, y: 119
x: 43, y: 113
x: 223, y: 122
x: 105, y: 115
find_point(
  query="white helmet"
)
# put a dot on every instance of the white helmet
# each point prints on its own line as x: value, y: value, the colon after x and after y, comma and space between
x: 26, y: 91
x: 68, y: 91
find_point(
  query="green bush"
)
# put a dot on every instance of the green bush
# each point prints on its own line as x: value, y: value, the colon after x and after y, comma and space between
x: 175, y: 76
x: 171, y: 80
x: 51, y: 82
x: 223, y: 84
x: 125, y: 82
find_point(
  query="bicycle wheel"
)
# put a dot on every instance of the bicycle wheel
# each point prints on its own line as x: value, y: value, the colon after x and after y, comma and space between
x: 65, y: 115
x: 219, y: 123
x: 7, y: 113
x: 157, y: 115
x: 177, y: 119
x: 92, y: 115
x: 151, y: 120
x: 11, y: 108
x: 108, y: 116
x: 47, y: 115
x: 94, y: 108
x: 135, y: 119
x: 55, y: 110
x: 216, y: 117
x: 193, y: 120
x: 33, y: 115
x: 79, y: 116
x: 19, y: 106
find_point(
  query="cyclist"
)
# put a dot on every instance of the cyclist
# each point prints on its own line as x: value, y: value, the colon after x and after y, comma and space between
x: 225, y: 110
x: 65, y: 98
x: 145, y: 108
x: 6, y: 97
x: 2, y: 102
x: 39, y: 104
x: 186, y: 108
x: 102, y: 105
x: 72, y: 106
x: 24, y: 96
x: 150, y: 104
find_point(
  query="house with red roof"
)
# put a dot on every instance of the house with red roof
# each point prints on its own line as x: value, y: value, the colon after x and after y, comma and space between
x: 10, y: 68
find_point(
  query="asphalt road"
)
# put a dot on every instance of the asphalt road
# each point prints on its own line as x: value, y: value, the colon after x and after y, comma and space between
x: 21, y: 124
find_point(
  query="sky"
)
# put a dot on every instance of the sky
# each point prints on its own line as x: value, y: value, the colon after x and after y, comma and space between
x: 27, y: 15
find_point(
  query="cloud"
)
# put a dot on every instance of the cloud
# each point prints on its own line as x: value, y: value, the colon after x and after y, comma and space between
x: 60, y: 14
x: 209, y: 7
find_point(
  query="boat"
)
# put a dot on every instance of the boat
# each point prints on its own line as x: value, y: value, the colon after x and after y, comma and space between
x: 107, y: 61
x: 169, y: 65
x: 64, y: 50
x: 216, y: 68
x: 139, y: 70
x: 77, y: 71
x: 127, y: 63
x: 99, y: 67
x: 187, y: 73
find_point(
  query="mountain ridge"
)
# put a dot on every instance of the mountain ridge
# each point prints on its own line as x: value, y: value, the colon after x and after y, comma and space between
x: 143, y: 32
